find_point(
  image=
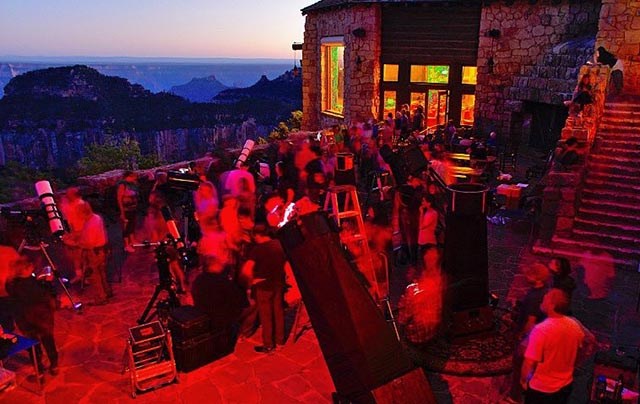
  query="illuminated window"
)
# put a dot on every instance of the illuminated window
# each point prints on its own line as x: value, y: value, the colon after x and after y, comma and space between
x: 332, y: 70
x: 390, y: 73
x: 469, y: 74
x: 389, y: 102
x: 429, y: 74
x: 468, y: 103
x: 416, y: 100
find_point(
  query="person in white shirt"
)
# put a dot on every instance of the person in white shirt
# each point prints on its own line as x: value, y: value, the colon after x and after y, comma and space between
x: 93, y: 242
x: 555, y: 346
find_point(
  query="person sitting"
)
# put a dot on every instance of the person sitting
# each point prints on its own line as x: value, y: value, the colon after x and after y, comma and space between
x: 582, y: 96
x: 566, y: 154
x: 34, y: 306
x: 477, y: 151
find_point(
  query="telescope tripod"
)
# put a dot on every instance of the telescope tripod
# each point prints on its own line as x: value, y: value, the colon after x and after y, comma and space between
x: 166, y: 283
x: 42, y: 247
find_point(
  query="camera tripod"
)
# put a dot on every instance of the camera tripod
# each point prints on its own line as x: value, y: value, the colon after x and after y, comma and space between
x: 42, y: 247
x: 165, y: 283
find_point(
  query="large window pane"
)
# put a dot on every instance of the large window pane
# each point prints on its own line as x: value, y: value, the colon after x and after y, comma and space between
x: 333, y: 77
x: 389, y: 102
x: 429, y: 74
x: 468, y: 103
x: 469, y: 75
x: 418, y: 74
x: 390, y: 73
x: 438, y: 74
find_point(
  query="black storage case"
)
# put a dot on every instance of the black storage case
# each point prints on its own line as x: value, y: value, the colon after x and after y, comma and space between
x: 201, y: 350
x: 186, y: 322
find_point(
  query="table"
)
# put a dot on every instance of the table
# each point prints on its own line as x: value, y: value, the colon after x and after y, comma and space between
x: 513, y: 194
x: 25, y: 344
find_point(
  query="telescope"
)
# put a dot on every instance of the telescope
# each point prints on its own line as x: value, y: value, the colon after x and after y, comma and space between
x: 45, y: 194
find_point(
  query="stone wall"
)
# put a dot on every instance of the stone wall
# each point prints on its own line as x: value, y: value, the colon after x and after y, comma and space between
x: 619, y: 32
x: 562, y: 187
x: 529, y: 61
x: 362, y: 79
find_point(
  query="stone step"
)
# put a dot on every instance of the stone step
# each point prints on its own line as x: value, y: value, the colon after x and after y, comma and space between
x: 622, y: 106
x: 598, y: 213
x: 609, y: 205
x: 615, y: 178
x: 621, y: 161
x: 568, y: 247
x: 603, y: 167
x: 623, y: 197
x: 597, y: 185
x: 614, y: 112
x: 615, y: 241
x: 626, y: 152
x: 618, y: 117
x: 607, y: 229
x: 621, y: 120
x: 619, y: 128
x: 628, y: 142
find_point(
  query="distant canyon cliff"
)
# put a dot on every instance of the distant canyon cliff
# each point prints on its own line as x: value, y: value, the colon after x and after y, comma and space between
x: 162, y: 75
x: 48, y: 117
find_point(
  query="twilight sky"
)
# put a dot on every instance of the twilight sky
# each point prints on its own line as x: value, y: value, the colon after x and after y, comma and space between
x: 151, y: 28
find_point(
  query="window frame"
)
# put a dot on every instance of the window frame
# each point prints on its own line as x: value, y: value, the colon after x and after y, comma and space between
x: 328, y: 98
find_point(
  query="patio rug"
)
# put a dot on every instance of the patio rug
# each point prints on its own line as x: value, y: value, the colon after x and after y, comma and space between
x: 486, y: 354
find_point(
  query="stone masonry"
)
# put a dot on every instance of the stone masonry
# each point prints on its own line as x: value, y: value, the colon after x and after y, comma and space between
x: 619, y: 32
x: 521, y: 69
x: 361, y: 81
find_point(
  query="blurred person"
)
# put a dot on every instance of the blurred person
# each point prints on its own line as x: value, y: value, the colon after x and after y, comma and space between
x: 556, y: 346
x: 599, y: 273
x: 214, y: 292
x: 70, y: 206
x: 528, y: 314
x: 285, y: 186
x: 157, y: 231
x: 427, y: 226
x: 561, y: 271
x: 205, y: 201
x: 127, y: 195
x: 420, y: 307
x: 34, y: 306
x: 7, y: 256
x: 93, y: 242
x: 241, y: 185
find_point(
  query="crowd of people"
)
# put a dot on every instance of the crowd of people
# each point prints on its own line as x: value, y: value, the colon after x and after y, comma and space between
x: 231, y: 215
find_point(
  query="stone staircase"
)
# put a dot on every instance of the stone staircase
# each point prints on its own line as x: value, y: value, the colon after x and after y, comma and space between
x: 608, y: 215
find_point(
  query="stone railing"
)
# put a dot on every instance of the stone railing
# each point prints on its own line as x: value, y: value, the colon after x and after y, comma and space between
x: 563, y: 187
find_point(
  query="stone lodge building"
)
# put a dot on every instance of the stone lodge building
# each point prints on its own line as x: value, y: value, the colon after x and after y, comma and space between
x: 504, y: 65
